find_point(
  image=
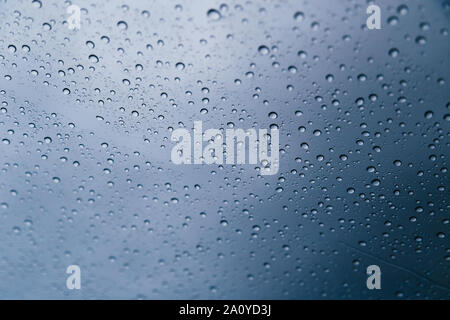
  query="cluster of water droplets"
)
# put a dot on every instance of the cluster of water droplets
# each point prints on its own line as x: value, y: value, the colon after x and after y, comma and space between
x: 86, y: 118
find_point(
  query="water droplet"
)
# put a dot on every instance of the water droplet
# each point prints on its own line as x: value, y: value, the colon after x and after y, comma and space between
x: 263, y: 50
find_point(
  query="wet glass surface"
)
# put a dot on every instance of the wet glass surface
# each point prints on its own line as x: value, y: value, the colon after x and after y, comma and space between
x: 86, y: 176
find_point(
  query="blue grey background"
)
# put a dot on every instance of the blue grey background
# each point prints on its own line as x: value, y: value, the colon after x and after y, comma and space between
x: 85, y: 122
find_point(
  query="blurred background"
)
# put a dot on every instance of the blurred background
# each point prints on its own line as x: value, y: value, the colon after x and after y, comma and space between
x: 86, y: 179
